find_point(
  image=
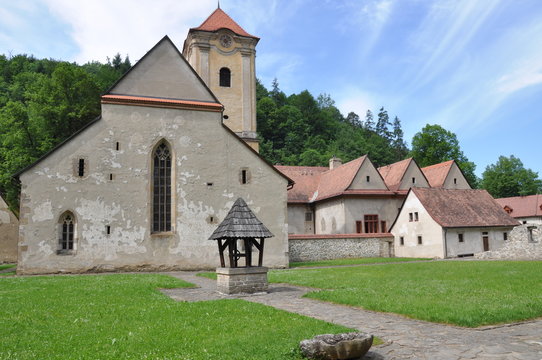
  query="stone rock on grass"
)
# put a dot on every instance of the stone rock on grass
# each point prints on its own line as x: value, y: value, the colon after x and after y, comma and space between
x: 337, y: 347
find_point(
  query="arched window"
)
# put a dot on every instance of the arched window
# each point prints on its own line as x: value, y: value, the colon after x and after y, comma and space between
x: 161, y: 189
x: 225, y: 77
x: 66, y: 233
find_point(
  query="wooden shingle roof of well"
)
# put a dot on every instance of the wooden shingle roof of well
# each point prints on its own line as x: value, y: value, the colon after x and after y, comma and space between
x: 240, y: 223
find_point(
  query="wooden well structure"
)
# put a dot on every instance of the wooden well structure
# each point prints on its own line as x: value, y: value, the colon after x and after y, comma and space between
x: 238, y: 235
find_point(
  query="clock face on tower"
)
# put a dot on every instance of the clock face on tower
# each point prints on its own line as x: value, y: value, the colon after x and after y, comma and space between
x: 225, y: 40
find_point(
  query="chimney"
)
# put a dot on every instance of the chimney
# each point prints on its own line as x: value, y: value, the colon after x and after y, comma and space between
x: 334, y: 162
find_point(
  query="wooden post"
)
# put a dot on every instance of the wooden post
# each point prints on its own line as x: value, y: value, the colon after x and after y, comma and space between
x: 260, y: 258
x: 221, y: 252
x: 230, y: 250
x: 248, y: 252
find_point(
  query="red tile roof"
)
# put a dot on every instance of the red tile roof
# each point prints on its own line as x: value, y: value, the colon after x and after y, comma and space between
x: 393, y: 173
x: 319, y: 183
x: 220, y: 20
x: 160, y: 102
x: 463, y: 208
x: 523, y: 206
x: 306, y: 180
x: 436, y: 174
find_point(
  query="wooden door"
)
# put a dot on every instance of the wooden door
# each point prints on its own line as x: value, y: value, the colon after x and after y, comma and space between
x: 485, y: 239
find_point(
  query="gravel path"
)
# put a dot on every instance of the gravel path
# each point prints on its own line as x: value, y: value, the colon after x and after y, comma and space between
x: 405, y: 338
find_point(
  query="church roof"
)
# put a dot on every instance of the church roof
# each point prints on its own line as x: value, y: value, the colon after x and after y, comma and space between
x: 523, y: 206
x: 393, y: 173
x: 240, y: 223
x: 220, y: 20
x: 463, y: 208
x: 436, y: 174
x: 306, y: 180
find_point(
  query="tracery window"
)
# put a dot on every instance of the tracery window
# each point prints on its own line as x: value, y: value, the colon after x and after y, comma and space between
x: 161, y: 190
x: 66, y: 233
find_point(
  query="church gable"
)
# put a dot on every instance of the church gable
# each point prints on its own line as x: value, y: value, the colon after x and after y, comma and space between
x: 413, y: 176
x: 163, y: 73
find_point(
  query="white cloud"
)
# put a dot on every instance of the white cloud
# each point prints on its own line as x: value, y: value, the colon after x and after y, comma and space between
x: 356, y: 100
x: 102, y: 28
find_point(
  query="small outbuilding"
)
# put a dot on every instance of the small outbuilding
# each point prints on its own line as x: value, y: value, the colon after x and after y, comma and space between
x: 443, y: 223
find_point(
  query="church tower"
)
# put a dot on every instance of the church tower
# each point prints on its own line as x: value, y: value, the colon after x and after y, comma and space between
x: 223, y: 54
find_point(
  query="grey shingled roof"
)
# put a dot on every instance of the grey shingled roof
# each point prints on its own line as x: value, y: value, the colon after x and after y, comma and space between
x: 240, y: 223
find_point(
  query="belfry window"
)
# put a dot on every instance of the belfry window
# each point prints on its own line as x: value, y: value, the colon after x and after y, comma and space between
x: 66, y: 233
x: 225, y: 77
x: 161, y: 190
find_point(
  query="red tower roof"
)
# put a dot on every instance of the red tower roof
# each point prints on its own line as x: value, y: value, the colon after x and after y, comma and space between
x: 220, y: 20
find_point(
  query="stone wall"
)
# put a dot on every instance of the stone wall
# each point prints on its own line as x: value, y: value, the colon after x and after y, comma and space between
x: 519, y: 246
x: 328, y: 247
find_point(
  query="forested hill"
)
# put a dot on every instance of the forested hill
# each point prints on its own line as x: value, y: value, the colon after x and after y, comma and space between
x: 42, y: 102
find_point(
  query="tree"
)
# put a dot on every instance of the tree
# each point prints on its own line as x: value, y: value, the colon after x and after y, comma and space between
x: 397, y: 142
x: 383, y: 123
x: 508, y: 178
x: 434, y: 145
x: 353, y: 119
x: 369, y: 121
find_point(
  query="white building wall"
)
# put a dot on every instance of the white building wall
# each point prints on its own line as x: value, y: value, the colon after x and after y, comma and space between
x: 356, y: 208
x: 297, y: 223
x: 329, y: 217
x: 432, y: 233
x: 472, y: 240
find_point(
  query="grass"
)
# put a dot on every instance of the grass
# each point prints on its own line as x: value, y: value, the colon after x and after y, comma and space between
x: 124, y: 316
x: 470, y: 294
x: 352, y: 261
x: 6, y: 266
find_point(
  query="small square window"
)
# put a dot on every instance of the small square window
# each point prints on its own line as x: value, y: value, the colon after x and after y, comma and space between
x: 308, y: 216
x: 460, y: 237
x: 420, y: 241
x: 401, y: 241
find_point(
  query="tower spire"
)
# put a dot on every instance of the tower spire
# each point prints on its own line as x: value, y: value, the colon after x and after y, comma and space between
x: 218, y: 3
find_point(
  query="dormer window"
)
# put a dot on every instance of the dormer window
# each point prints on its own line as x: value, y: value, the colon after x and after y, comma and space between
x: 508, y: 209
x: 225, y: 77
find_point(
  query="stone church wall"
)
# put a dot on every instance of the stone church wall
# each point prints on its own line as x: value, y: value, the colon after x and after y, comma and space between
x: 111, y: 203
x: 329, y: 247
x: 524, y: 243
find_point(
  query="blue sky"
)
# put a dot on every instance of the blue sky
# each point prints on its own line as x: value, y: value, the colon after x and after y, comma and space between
x: 472, y: 66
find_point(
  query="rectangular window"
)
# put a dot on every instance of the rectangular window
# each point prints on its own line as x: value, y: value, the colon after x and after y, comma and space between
x: 118, y: 146
x: 383, y: 226
x: 455, y: 181
x: 460, y: 237
x: 368, y: 178
x: 401, y: 241
x: 410, y: 217
x: 414, y: 180
x: 420, y: 241
x: 110, y: 177
x: 416, y: 216
x: 371, y: 223
x: 81, y: 170
x: 108, y: 230
x: 243, y: 176
x: 505, y: 236
x: 308, y: 216
x: 358, y: 227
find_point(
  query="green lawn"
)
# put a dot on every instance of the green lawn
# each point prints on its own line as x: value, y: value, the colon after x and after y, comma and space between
x: 352, y: 261
x: 125, y: 317
x: 6, y: 266
x: 465, y: 293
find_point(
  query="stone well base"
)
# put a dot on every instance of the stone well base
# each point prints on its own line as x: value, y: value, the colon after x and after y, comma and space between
x: 248, y: 280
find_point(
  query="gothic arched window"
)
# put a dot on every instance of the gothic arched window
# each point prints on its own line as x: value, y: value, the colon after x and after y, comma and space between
x: 66, y: 233
x: 161, y: 189
x: 225, y: 77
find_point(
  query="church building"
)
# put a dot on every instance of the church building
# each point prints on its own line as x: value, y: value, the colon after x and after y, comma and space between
x: 143, y: 186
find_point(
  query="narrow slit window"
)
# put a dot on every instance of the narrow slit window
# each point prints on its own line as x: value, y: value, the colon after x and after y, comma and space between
x: 225, y: 77
x: 117, y: 146
x: 244, y: 176
x: 108, y: 229
x: 410, y: 218
x: 161, y: 197
x: 414, y: 180
x: 110, y: 177
x: 401, y: 241
x: 81, y: 169
x: 420, y: 240
x: 368, y: 178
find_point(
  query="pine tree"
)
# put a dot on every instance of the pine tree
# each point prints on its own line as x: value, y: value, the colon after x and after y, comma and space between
x: 397, y: 142
x: 383, y: 123
x: 369, y: 121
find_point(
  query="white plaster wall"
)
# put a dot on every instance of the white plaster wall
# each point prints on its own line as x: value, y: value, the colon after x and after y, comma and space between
x: 431, y: 232
x: 413, y: 171
x: 204, y: 152
x: 360, y: 180
x: 296, y: 219
x: 472, y: 240
x: 536, y: 220
x: 331, y: 212
x: 356, y: 208
x: 455, y: 173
